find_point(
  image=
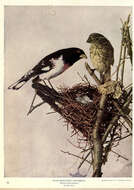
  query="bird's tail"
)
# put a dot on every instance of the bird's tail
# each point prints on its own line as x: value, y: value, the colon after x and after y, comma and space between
x: 17, y: 85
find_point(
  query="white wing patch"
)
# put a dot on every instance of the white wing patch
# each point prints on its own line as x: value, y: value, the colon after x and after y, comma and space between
x: 58, y: 68
x: 46, y: 68
x: 28, y: 73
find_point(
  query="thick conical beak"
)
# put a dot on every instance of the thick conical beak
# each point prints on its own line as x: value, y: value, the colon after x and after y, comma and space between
x: 89, y: 40
x: 83, y: 56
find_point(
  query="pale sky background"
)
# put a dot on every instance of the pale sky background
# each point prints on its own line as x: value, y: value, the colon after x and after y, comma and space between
x: 33, y: 143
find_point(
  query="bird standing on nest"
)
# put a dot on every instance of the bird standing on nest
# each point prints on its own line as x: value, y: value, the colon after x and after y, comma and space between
x: 51, y: 66
x: 101, y: 55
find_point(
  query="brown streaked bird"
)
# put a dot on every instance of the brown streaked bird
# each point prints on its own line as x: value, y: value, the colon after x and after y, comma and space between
x: 101, y: 55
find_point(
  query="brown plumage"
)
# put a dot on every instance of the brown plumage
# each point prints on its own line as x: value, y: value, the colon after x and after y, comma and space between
x: 101, y: 55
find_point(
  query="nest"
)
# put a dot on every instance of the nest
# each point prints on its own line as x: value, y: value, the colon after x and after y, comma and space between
x: 78, y: 107
x: 81, y: 113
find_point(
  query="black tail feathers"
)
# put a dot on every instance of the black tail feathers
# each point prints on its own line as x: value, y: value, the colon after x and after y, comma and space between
x: 17, y: 85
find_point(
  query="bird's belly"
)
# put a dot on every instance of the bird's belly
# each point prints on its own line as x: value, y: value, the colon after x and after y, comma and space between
x: 101, y: 57
x: 98, y: 64
x: 59, y: 68
x: 97, y: 59
x: 53, y: 73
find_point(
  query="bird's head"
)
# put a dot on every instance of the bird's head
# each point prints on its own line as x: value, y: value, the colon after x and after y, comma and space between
x: 72, y: 55
x: 81, y: 54
x: 95, y: 37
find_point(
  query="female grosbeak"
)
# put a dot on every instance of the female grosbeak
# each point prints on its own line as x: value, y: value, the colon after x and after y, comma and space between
x: 101, y: 55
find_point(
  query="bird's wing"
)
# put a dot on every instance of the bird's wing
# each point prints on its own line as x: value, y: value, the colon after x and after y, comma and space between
x: 44, y: 66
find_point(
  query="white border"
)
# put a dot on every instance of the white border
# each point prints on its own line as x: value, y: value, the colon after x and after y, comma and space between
x: 70, y: 2
x: 6, y: 182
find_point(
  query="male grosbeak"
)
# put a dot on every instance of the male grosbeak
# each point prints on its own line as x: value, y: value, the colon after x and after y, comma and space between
x: 101, y: 55
x: 51, y: 66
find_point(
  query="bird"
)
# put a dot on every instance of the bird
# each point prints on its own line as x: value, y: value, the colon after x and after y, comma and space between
x: 101, y: 55
x: 51, y: 65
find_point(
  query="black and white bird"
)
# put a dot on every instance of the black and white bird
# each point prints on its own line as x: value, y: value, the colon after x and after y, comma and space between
x: 51, y: 66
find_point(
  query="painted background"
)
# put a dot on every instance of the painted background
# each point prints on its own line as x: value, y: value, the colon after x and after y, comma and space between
x: 33, y: 143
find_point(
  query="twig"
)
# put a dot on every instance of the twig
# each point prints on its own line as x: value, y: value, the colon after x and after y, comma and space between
x: 50, y: 112
x: 92, y: 73
x: 75, y: 156
x: 80, y: 77
x: 34, y: 107
x: 109, y: 145
x: 84, y: 160
x: 115, y: 119
x: 119, y: 64
x: 129, y: 100
x: 125, y: 137
x: 128, y: 121
x: 129, y: 41
x: 129, y: 86
x: 123, y: 124
x: 123, y: 64
x: 74, y: 144
x: 126, y: 47
x: 86, y: 79
x: 129, y: 46
x: 97, y: 143
x: 119, y: 155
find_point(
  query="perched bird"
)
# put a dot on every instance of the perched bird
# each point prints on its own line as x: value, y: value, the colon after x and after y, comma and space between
x: 51, y: 66
x: 101, y: 55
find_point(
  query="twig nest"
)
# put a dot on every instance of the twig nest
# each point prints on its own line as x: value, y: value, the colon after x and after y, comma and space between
x: 111, y: 87
x: 79, y: 108
x: 79, y: 105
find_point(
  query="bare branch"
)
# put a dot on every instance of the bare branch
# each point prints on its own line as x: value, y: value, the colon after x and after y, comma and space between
x: 75, y: 156
x: 91, y: 72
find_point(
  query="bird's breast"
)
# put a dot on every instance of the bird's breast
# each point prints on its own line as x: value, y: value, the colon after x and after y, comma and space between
x: 66, y: 66
x: 100, y: 57
x: 59, y: 66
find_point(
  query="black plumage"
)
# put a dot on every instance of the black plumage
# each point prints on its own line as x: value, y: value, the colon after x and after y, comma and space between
x: 52, y: 65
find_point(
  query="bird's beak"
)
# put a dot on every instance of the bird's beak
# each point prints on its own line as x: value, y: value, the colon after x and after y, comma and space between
x: 83, y: 56
x: 89, y: 40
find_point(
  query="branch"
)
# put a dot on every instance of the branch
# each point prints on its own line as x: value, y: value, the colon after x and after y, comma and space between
x: 84, y: 160
x: 126, y: 47
x: 75, y: 156
x: 91, y: 72
x: 123, y: 64
x: 125, y: 116
x: 97, y: 143
x: 119, y: 155
x: 115, y: 118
